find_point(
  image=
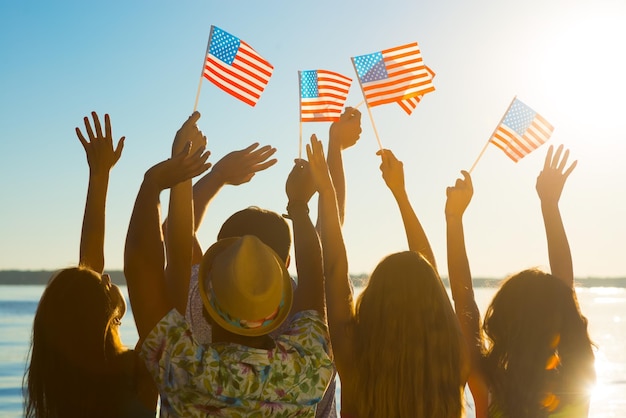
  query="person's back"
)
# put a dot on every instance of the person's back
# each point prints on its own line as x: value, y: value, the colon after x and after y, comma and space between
x: 247, y: 294
x: 398, y: 352
x: 406, y: 345
x: 532, y: 357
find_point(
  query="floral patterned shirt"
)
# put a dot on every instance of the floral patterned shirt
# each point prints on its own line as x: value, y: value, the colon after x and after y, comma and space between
x: 232, y: 380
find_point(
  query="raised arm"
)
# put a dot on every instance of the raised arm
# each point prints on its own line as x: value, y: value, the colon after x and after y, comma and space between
x: 179, y: 235
x: 235, y: 168
x: 549, y: 187
x: 144, y: 258
x: 393, y: 174
x: 309, y: 293
x: 101, y: 157
x: 342, y: 134
x: 339, y: 298
x: 458, y: 198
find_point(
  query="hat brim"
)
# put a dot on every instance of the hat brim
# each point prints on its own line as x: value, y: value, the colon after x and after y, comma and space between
x: 269, y: 326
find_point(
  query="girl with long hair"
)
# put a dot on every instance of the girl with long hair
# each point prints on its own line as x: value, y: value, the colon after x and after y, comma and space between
x: 533, y: 357
x: 78, y: 365
x: 399, y: 350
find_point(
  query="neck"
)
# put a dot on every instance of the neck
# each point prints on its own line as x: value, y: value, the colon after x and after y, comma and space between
x: 220, y: 335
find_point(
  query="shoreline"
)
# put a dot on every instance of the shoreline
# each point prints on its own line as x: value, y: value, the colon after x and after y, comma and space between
x: 41, y: 277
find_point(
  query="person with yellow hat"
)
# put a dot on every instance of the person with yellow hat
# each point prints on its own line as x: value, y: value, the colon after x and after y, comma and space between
x: 246, y: 293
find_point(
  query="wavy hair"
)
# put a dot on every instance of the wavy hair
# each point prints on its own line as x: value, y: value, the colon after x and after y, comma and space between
x: 539, y: 355
x: 408, y: 343
x: 72, y: 370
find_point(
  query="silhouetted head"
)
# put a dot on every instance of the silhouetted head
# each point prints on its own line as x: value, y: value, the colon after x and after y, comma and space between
x: 409, y: 344
x: 540, y: 355
x: 75, y: 338
x: 268, y: 226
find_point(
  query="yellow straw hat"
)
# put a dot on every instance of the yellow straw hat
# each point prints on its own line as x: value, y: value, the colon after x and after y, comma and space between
x: 245, y: 286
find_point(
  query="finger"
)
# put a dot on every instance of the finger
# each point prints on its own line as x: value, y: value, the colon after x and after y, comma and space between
x: 88, y: 128
x: 119, y: 148
x: 107, y: 126
x: 570, y: 169
x: 557, y: 155
x: 250, y: 147
x: 195, y: 116
x: 548, y: 160
x: 268, y: 164
x: 81, y: 138
x: 467, y: 178
x: 563, y: 162
x: 263, y: 153
x: 96, y: 123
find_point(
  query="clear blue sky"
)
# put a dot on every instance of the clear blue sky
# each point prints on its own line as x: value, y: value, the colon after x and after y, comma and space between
x: 141, y: 62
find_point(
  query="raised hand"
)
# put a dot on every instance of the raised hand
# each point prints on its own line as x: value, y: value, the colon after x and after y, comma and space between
x: 347, y: 130
x: 101, y: 156
x: 181, y: 167
x: 552, y: 178
x: 240, y: 166
x: 319, y: 168
x: 392, y: 169
x: 300, y: 185
x: 459, y: 196
x: 189, y: 132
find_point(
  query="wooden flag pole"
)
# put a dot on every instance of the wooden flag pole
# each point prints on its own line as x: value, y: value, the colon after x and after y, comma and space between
x: 195, y: 106
x: 300, y: 114
x: 494, y: 132
x: 369, y: 111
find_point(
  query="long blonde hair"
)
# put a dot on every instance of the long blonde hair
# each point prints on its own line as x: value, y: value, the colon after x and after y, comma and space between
x: 408, y: 344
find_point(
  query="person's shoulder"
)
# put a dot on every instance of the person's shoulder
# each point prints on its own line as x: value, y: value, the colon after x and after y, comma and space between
x: 306, y: 326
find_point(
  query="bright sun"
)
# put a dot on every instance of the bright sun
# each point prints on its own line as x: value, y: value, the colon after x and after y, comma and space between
x: 584, y: 68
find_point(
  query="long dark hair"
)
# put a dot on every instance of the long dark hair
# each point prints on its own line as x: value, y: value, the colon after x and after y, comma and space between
x: 74, y: 367
x: 539, y: 354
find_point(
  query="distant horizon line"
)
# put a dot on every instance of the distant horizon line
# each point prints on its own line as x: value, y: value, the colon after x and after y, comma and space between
x: 41, y: 277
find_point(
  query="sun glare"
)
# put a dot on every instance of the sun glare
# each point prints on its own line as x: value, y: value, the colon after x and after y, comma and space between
x: 583, y: 69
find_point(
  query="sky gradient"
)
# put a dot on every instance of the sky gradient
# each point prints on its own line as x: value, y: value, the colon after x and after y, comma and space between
x: 141, y: 62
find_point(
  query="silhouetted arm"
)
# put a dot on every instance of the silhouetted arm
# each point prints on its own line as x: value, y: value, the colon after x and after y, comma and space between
x: 549, y: 187
x: 179, y: 233
x: 342, y: 134
x: 309, y: 293
x: 458, y: 198
x: 144, y: 257
x: 235, y: 168
x: 101, y: 157
x: 393, y: 174
x: 339, y: 298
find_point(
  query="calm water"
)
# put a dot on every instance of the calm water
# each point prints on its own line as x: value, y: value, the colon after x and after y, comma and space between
x: 604, y: 307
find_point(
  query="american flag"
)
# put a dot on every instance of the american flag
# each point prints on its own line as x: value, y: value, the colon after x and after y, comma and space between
x: 322, y: 95
x: 232, y: 65
x: 521, y: 131
x: 409, y: 104
x: 393, y: 74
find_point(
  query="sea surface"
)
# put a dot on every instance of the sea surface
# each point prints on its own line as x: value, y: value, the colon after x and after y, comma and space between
x: 605, y: 308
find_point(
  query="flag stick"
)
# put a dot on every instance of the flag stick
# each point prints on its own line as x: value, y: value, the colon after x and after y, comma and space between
x: 369, y: 111
x: 494, y: 132
x: 195, y: 106
x: 300, y: 114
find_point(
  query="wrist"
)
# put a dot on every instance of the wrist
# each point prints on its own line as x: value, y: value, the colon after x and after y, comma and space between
x: 296, y: 208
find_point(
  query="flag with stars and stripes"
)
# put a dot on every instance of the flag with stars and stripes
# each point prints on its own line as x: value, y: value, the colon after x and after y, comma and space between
x: 322, y: 95
x: 393, y: 75
x: 409, y: 105
x: 521, y: 131
x: 233, y: 66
